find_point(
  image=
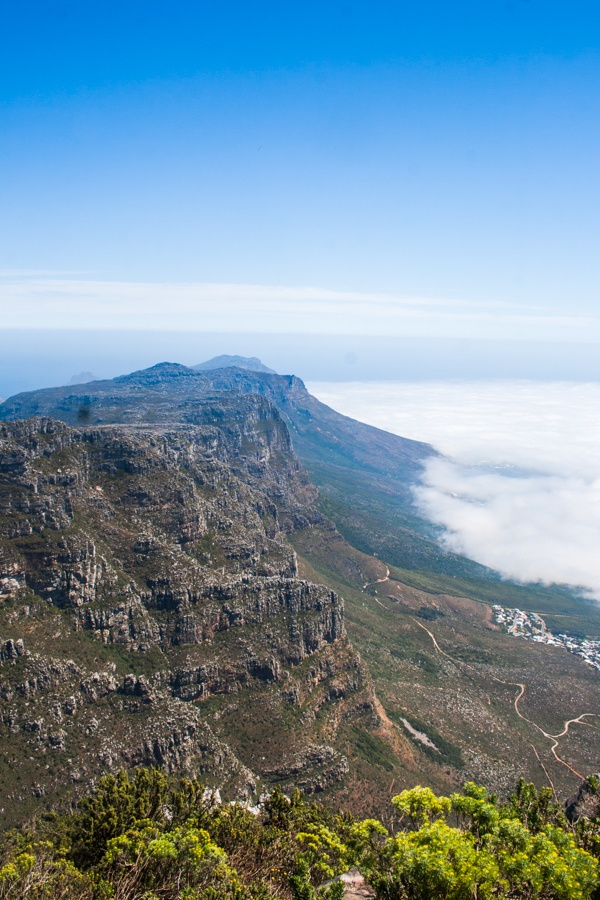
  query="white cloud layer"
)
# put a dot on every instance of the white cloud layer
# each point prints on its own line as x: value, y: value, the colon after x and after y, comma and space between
x: 63, y: 301
x: 518, y: 488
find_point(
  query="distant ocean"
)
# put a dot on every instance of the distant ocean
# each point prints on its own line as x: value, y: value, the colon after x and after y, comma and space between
x: 519, y: 486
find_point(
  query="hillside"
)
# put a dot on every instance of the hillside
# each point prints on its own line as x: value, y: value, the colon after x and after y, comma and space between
x: 343, y: 457
x: 364, y: 475
x: 151, y: 612
x: 184, y: 597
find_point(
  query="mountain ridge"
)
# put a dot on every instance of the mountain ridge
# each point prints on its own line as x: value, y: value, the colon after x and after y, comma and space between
x: 151, y: 611
x: 164, y: 523
x: 321, y: 436
x: 365, y: 475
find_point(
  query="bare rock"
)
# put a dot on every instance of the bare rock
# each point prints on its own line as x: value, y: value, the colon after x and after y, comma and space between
x: 586, y: 802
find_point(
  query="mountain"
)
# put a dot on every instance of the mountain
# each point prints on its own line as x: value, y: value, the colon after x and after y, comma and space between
x: 239, y: 362
x: 345, y: 458
x: 364, y: 475
x: 83, y: 378
x: 215, y: 572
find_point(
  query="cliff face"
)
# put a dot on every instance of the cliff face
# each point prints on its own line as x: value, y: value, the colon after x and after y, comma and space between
x: 150, y: 609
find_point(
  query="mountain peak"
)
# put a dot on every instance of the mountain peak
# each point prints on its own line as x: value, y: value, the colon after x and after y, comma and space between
x: 239, y: 362
x: 159, y: 372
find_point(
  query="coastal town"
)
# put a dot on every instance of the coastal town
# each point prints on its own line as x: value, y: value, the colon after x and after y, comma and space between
x: 532, y: 627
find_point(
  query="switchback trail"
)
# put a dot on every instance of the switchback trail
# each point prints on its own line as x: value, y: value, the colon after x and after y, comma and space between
x: 522, y: 688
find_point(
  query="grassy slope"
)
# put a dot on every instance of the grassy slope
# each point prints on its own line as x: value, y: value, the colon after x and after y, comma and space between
x: 376, y: 522
x: 365, y: 478
x: 459, y: 703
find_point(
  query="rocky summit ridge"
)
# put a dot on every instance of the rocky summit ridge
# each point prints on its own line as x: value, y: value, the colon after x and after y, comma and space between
x: 343, y: 457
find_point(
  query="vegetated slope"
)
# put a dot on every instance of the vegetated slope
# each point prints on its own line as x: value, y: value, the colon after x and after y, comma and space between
x: 451, y: 681
x: 462, y: 702
x: 143, y: 836
x: 151, y: 613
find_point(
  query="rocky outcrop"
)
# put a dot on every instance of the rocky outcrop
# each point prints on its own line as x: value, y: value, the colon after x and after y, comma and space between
x: 313, y: 769
x: 129, y: 623
x: 586, y: 802
x: 355, y: 885
x: 12, y: 649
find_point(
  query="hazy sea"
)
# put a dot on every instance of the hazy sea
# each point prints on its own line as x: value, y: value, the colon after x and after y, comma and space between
x: 518, y: 488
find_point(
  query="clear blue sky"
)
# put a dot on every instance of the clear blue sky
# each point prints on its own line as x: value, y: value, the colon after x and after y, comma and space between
x: 440, y: 154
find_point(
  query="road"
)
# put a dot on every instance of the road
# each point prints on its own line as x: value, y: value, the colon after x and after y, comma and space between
x: 378, y: 581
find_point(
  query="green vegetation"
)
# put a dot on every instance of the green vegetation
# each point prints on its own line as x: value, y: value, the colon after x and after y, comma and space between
x: 378, y: 519
x: 372, y: 749
x: 145, y: 837
x: 444, y: 752
x: 461, y: 696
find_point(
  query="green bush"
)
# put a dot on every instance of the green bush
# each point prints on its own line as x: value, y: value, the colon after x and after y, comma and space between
x: 145, y: 836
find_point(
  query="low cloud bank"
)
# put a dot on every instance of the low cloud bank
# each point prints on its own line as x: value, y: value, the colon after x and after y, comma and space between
x: 518, y: 488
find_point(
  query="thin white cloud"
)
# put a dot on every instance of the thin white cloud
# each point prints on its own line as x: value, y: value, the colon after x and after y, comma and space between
x: 519, y: 488
x: 74, y: 303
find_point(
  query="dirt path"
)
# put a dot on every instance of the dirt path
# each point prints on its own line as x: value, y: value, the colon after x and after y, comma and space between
x: 576, y: 721
x: 554, y: 738
x: 522, y: 688
x: 379, y: 580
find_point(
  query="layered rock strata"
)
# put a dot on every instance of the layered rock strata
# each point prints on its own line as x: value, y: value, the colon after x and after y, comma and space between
x: 151, y: 613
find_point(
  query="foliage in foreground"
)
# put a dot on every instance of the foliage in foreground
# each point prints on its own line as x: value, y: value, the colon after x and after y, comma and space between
x: 146, y: 837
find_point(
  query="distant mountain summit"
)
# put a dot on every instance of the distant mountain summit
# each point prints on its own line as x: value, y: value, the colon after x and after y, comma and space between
x: 239, y: 362
x: 83, y: 378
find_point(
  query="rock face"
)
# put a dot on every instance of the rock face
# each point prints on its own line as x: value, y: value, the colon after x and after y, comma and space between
x: 151, y: 613
x: 170, y: 392
x: 355, y: 886
x: 586, y: 802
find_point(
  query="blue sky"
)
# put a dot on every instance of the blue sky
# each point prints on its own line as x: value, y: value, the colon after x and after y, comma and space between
x: 415, y: 169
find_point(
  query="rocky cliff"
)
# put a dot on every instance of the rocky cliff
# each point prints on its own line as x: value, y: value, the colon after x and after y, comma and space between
x: 151, y: 612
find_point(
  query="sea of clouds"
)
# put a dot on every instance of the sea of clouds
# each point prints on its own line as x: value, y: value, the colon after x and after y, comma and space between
x: 518, y: 486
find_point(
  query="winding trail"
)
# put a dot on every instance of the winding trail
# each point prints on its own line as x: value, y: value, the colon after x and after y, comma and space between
x: 522, y: 688
x: 521, y: 693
